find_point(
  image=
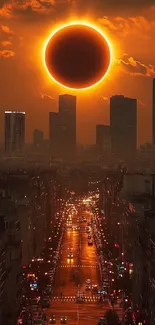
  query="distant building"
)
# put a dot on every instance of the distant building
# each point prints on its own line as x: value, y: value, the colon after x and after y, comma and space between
x: 103, y: 139
x: 67, y: 113
x: 14, y: 130
x: 153, y: 112
x: 38, y: 139
x: 54, y: 133
x: 10, y: 266
x: 136, y: 185
x: 123, y: 123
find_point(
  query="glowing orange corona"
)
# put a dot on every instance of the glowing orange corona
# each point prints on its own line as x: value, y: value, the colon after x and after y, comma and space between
x: 77, y: 56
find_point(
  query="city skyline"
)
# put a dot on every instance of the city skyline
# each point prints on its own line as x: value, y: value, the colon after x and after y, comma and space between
x: 61, y: 121
x: 132, y: 69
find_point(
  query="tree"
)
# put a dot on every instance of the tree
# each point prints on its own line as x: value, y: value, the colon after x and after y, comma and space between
x: 111, y: 317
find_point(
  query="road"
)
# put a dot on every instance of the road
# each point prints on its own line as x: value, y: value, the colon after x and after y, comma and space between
x: 71, y: 276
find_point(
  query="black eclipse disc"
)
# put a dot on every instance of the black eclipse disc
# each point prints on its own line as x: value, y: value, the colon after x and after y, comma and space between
x: 77, y: 56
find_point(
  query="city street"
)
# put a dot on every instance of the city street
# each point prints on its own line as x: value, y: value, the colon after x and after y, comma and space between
x: 71, y: 277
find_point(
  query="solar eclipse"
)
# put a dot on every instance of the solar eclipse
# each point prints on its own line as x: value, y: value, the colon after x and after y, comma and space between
x: 77, y: 56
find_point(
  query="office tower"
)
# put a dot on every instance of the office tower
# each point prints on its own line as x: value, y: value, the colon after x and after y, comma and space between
x: 14, y: 130
x: 103, y: 140
x: 153, y: 113
x: 38, y: 139
x: 67, y: 113
x: 54, y: 134
x: 123, y: 123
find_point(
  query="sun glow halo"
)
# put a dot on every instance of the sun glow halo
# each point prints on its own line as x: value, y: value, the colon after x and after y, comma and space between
x: 86, y: 24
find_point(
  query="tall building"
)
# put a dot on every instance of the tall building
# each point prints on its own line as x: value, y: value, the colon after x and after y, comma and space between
x: 153, y: 113
x: 14, y: 130
x: 10, y: 266
x: 123, y: 123
x: 54, y: 133
x: 103, y: 140
x: 38, y: 139
x: 67, y: 113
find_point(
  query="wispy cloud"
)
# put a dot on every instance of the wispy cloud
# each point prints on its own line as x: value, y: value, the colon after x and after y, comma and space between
x: 135, y: 67
x: 6, y: 54
x: 46, y: 96
x: 132, y: 26
x: 6, y: 43
x: 6, y: 29
x: 33, y: 8
x: 105, y: 98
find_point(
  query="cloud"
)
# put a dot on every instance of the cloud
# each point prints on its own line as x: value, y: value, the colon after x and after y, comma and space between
x: 45, y: 7
x: 30, y: 8
x: 105, y: 98
x: 6, y: 43
x: 135, y: 67
x: 6, y: 54
x: 46, y: 96
x: 6, y: 29
x: 110, y: 6
x: 135, y: 25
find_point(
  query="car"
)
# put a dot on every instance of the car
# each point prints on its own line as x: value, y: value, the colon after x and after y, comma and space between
x: 79, y: 299
x: 52, y: 319
x: 102, y: 321
x: 88, y: 281
x: 105, y: 281
x: 38, y: 321
x: 87, y: 287
x: 70, y: 255
x: 89, y: 236
x: 63, y: 320
x: 90, y: 242
x: 45, y: 303
x: 95, y: 288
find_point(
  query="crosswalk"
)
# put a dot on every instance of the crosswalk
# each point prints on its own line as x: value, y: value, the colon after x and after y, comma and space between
x: 87, y: 299
x: 78, y: 265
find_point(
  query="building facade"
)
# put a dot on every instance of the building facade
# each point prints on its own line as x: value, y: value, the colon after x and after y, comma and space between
x: 153, y: 113
x: 11, y: 288
x: 54, y: 134
x: 38, y: 139
x: 67, y: 113
x: 14, y: 131
x: 123, y: 123
x: 103, y: 138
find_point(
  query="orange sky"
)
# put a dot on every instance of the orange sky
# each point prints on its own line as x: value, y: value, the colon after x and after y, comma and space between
x: 24, y: 85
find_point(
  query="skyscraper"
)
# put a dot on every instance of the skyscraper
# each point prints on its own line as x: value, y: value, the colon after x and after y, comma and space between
x: 38, y: 139
x: 123, y: 122
x: 54, y: 134
x: 153, y: 113
x: 67, y: 113
x: 14, y: 130
x: 103, y: 140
